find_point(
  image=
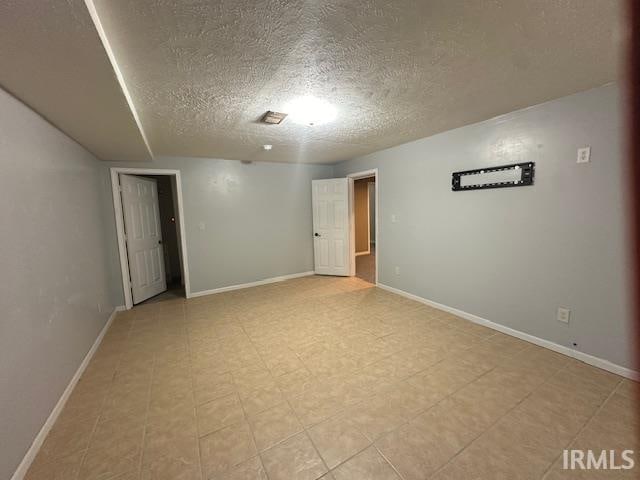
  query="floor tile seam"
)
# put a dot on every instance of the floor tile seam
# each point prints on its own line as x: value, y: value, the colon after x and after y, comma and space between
x: 369, y: 445
x: 582, y: 429
x: 389, y: 462
x: 475, y: 438
x: 118, y: 364
x: 95, y: 427
x: 315, y: 448
x: 440, y: 402
x: 91, y: 437
x: 495, y: 422
x: 588, y: 380
x: 253, y: 438
x: 303, y: 429
x: 260, y: 453
x: 413, y: 417
x: 481, y: 338
x: 342, y: 410
x: 193, y: 393
x: 84, y: 451
x: 146, y: 419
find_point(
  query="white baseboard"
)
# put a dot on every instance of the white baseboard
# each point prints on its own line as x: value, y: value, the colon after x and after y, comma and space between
x: 281, y: 278
x: 26, y: 462
x: 570, y: 352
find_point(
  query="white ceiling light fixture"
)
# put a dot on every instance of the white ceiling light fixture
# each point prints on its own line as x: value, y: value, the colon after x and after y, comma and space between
x: 309, y: 110
x: 267, y: 147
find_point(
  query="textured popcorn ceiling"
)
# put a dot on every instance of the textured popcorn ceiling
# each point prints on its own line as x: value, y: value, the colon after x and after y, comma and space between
x: 52, y: 59
x: 202, y: 72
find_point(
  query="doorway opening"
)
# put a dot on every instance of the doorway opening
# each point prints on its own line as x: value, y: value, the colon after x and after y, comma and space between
x: 150, y: 229
x: 170, y: 239
x: 364, y: 228
x: 364, y: 219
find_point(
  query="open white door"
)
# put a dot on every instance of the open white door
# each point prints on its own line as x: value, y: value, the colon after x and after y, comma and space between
x: 330, y: 199
x: 143, y: 236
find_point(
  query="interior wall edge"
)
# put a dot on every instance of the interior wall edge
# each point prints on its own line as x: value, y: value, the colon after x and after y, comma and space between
x: 541, y: 342
x: 257, y: 283
x: 33, y: 450
x: 515, y: 255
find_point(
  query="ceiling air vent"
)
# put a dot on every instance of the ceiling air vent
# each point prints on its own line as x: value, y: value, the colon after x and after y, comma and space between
x: 273, y: 118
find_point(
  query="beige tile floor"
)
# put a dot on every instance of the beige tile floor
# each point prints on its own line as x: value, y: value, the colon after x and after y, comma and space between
x: 366, y: 265
x: 173, y: 292
x: 329, y: 378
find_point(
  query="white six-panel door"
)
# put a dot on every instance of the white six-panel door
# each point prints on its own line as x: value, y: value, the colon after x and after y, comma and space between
x: 330, y: 200
x: 143, y: 236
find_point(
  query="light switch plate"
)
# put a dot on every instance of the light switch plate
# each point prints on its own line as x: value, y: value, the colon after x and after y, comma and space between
x: 563, y: 315
x: 584, y: 155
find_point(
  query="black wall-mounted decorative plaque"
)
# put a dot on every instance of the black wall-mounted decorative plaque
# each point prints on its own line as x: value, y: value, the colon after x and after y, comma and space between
x: 502, y: 176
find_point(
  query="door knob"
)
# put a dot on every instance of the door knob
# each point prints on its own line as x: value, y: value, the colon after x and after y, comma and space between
x: 159, y: 242
x: 316, y: 234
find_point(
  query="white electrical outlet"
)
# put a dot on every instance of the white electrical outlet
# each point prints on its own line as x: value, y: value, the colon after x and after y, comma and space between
x: 563, y: 315
x: 584, y: 155
x: 397, y: 270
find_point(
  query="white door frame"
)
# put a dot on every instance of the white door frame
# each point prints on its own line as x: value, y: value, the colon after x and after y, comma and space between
x: 352, y: 216
x: 122, y: 244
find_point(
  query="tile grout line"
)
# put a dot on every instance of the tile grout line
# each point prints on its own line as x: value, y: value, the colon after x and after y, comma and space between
x: 546, y: 473
x: 246, y: 418
x: 397, y: 380
x: 374, y: 393
x: 86, y: 450
x: 253, y: 437
x: 432, y: 407
x: 193, y: 387
x: 146, y: 419
x: 400, y: 476
x: 286, y: 400
x: 474, y: 439
x: 104, y: 400
x: 372, y: 443
x: 479, y: 340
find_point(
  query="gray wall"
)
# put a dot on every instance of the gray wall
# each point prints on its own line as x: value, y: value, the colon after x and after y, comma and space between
x: 53, y: 258
x: 244, y: 222
x: 514, y: 255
